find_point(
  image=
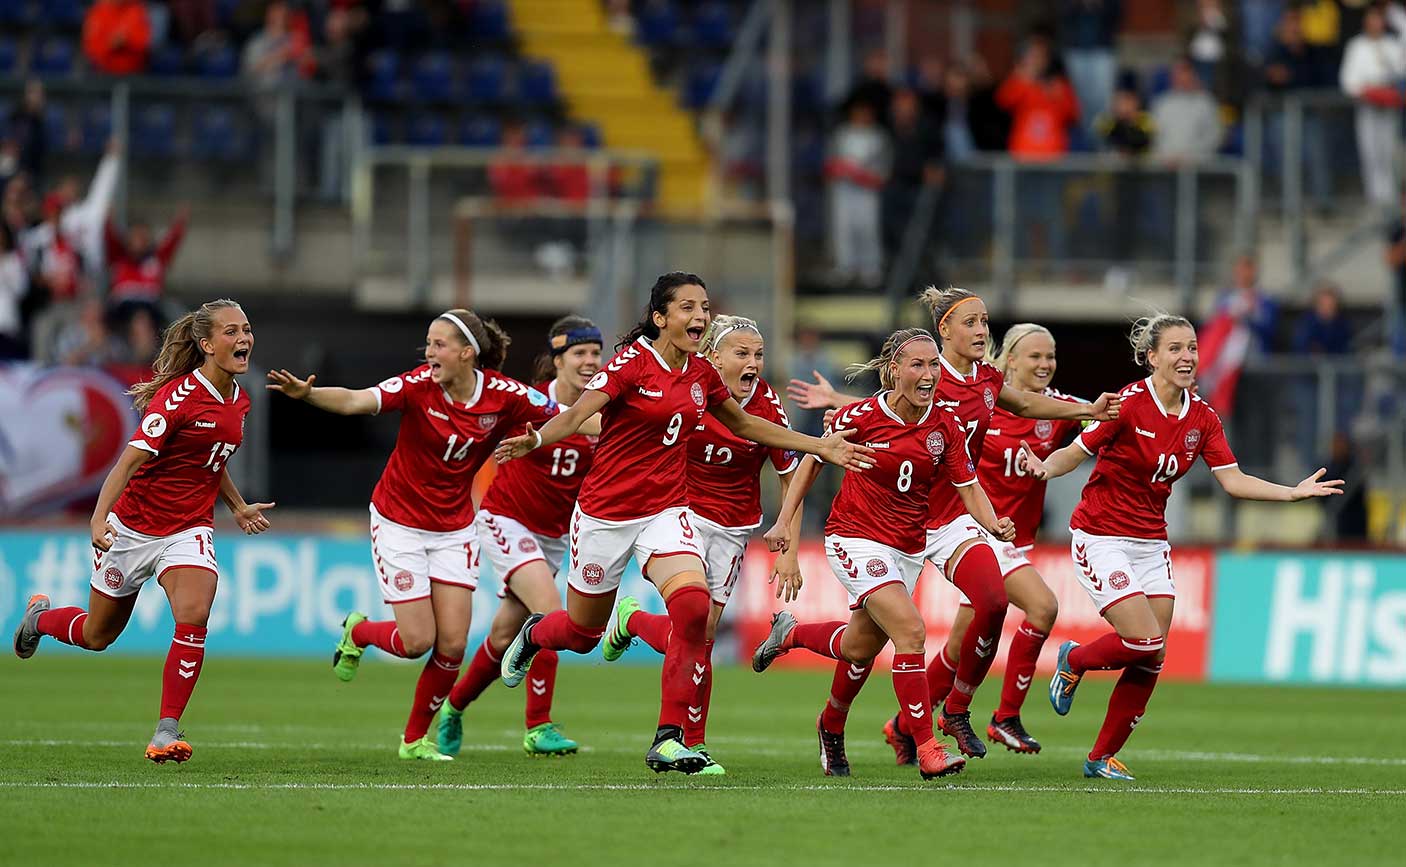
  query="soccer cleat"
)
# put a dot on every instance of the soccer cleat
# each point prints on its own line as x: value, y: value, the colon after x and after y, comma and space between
x: 934, y: 761
x: 422, y: 750
x: 620, y: 639
x: 710, y: 768
x: 669, y: 754
x: 958, y: 726
x: 782, y: 622
x: 347, y: 656
x: 1107, y: 769
x: 517, y: 659
x: 168, y: 744
x: 1065, y: 681
x: 27, y: 633
x: 547, y: 740
x: 1012, y: 733
x: 905, y: 752
x: 833, y: 760
x: 449, y: 736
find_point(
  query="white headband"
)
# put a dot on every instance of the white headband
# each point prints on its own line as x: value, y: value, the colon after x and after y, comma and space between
x: 717, y: 341
x: 468, y: 335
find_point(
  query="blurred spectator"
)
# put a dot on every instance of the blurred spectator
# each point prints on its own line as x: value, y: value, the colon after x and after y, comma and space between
x: 58, y: 270
x: 873, y: 88
x: 25, y: 127
x: 192, y: 19
x: 1087, y: 30
x: 1349, y: 511
x: 917, y: 163
x: 1213, y: 50
x: 80, y: 221
x: 811, y: 362
x: 1323, y: 27
x: 137, y: 264
x: 84, y: 339
x: 1247, y: 302
x: 14, y: 286
x: 1396, y: 261
x: 338, y: 61
x: 143, y: 340
x: 117, y: 36
x: 1323, y: 329
x: 1292, y: 64
x: 1126, y: 131
x: 1041, y: 103
x: 1186, y: 118
x: 514, y: 178
x: 930, y: 82
x: 619, y: 17
x: 1258, y: 21
x: 16, y: 207
x: 281, y: 52
x: 857, y: 168
x: 990, y: 123
x: 1373, y: 73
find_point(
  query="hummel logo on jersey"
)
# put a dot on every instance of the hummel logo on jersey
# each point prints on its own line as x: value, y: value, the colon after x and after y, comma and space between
x: 204, y: 424
x: 951, y: 403
x: 437, y: 414
x: 647, y: 393
x: 876, y: 445
x: 1022, y: 682
x: 1145, y: 433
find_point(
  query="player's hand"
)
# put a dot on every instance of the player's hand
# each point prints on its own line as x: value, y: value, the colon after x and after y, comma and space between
x: 778, y: 538
x: 1312, y: 487
x: 811, y: 395
x: 1107, y: 407
x: 786, y: 575
x: 290, y: 385
x: 1032, y: 465
x: 102, y: 533
x: 835, y: 448
x: 830, y: 418
x: 251, y: 518
x: 1004, y: 530
x: 513, y: 448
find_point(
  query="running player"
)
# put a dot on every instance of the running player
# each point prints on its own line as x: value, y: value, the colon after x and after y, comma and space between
x: 522, y: 524
x: 454, y: 409
x: 155, y: 513
x: 955, y: 544
x: 1120, y: 529
x: 874, y: 540
x: 725, y: 499
x: 634, y: 501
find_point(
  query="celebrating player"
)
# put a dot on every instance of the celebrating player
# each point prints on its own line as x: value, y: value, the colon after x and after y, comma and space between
x: 155, y: 513
x: 1120, y: 528
x: 725, y: 499
x: 874, y: 541
x: 522, y: 525
x: 454, y: 409
x: 955, y: 544
x: 651, y: 397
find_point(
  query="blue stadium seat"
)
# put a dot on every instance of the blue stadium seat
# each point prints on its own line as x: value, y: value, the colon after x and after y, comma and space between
x: 61, y: 14
x: 219, y: 62
x: 382, y: 129
x: 221, y: 134
x: 489, y: 21
x: 53, y: 56
x: 383, y: 76
x: 712, y: 26
x: 1159, y: 82
x: 97, y: 128
x: 808, y: 93
x: 167, y: 60
x: 702, y: 81
x: 8, y: 55
x: 590, y: 135
x: 154, y: 131
x: 17, y: 12
x: 480, y: 131
x: 487, y: 81
x: 427, y: 130
x: 540, y: 134
x: 433, y: 78
x: 537, y: 85
x: 56, y: 126
x: 657, y: 25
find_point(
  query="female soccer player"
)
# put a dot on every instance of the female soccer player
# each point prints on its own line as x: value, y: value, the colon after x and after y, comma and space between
x: 454, y: 409
x: 651, y: 397
x: 155, y: 513
x: 874, y: 540
x: 522, y: 526
x: 725, y: 499
x: 1120, y: 528
x: 954, y: 544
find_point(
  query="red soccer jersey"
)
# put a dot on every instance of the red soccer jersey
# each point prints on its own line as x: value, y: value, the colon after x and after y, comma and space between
x: 724, y: 470
x: 1139, y: 455
x: 887, y: 504
x: 441, y: 444
x: 641, y: 461
x: 973, y: 398
x: 1014, y: 494
x: 539, y: 490
x: 192, y: 430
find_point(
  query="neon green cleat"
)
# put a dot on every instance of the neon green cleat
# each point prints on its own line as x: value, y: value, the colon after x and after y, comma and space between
x: 424, y: 750
x: 620, y: 639
x: 670, y: 754
x: 547, y: 740
x: 450, y: 733
x: 347, y: 656
x: 712, y: 768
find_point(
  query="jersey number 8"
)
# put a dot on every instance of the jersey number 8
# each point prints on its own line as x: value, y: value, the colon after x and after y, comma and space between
x: 905, y: 476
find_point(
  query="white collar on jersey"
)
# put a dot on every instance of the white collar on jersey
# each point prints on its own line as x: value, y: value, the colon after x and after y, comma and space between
x: 478, y: 391
x: 1185, y: 400
x: 644, y: 341
x: 888, y: 410
x: 552, y: 393
x: 215, y: 392
x: 947, y: 364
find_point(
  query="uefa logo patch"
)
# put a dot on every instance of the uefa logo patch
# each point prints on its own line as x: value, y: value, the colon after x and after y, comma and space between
x: 112, y: 578
x: 403, y: 580
x: 593, y: 573
x: 697, y: 392
x: 527, y: 545
x: 598, y: 381
x: 1118, y: 581
x: 990, y: 397
x: 1043, y: 429
x: 392, y: 385
x: 1193, y: 439
x: 154, y: 425
x: 876, y: 568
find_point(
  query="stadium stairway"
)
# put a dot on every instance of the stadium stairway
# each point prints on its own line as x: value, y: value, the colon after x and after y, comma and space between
x: 606, y: 80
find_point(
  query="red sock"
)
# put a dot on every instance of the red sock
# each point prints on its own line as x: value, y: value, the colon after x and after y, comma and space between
x: 844, y: 688
x: 1125, y: 708
x: 484, y: 668
x: 183, y: 663
x: 1110, y: 651
x: 436, y: 679
x: 683, y: 671
x: 380, y: 633
x: 822, y: 638
x: 941, y: 672
x: 910, y: 685
x: 695, y: 730
x: 64, y: 624
x: 557, y: 631
x: 541, y: 683
x: 1020, y: 669
x: 652, y: 629
x: 978, y: 575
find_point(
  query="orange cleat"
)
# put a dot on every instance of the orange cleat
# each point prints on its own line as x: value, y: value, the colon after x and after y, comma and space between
x: 935, y: 761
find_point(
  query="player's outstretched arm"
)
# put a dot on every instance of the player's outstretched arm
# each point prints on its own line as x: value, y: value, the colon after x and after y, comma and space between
x: 1028, y: 404
x: 1244, y: 486
x: 817, y: 395
x: 1062, y: 461
x: 979, y: 507
x: 250, y: 517
x: 786, y: 571
x: 117, y: 478
x: 833, y: 448
x: 342, y: 401
x: 565, y: 423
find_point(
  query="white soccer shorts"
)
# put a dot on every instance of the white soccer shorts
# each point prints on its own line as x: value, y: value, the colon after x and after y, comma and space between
x: 509, y: 546
x: 408, y: 559
x: 1114, y: 568
x: 864, y: 566
x: 600, y: 549
x: 136, y: 557
x: 723, y: 550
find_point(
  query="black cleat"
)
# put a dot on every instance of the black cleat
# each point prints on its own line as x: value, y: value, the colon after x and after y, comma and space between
x: 1012, y: 734
x: 833, y: 760
x: 959, y: 727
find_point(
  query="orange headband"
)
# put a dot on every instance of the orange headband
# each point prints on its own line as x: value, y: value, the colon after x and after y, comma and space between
x: 954, y: 307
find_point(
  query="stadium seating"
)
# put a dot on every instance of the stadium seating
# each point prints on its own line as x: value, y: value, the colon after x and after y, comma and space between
x: 383, y: 76
x: 540, y: 134
x: 432, y: 80
x: 221, y: 135
x: 166, y: 61
x: 97, y: 127
x: 701, y: 82
x: 219, y: 62
x: 19, y: 13
x: 712, y: 26
x: 60, y: 14
x: 486, y: 81
x: 480, y: 131
x: 154, y: 131
x: 537, y: 85
x: 52, y: 56
x: 56, y: 126
x: 9, y: 55
x: 657, y: 25
x: 427, y: 130
x: 489, y: 21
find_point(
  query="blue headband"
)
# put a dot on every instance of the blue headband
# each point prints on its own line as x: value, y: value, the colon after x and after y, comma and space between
x: 562, y: 342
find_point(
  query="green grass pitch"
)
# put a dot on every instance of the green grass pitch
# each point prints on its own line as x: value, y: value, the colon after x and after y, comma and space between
x: 293, y: 767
